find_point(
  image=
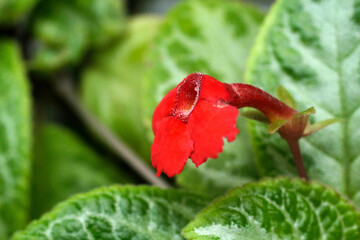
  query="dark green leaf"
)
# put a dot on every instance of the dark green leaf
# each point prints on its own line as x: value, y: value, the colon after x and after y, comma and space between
x: 64, y: 166
x: 118, y: 213
x: 277, y: 209
x: 64, y: 30
x: 15, y: 140
x: 213, y: 37
x: 311, y: 47
x: 112, y: 85
x: 13, y: 10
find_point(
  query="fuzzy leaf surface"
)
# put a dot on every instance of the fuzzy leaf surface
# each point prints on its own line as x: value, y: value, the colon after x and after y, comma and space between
x: 311, y: 47
x: 118, y: 213
x: 15, y: 140
x: 277, y: 209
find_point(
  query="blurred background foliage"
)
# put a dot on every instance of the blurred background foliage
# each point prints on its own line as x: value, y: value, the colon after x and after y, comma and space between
x: 121, y: 57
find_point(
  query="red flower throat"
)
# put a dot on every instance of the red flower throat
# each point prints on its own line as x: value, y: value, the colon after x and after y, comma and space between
x: 193, y: 118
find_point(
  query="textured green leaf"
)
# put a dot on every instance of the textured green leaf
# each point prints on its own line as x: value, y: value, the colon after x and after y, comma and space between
x: 64, y: 165
x: 13, y: 10
x: 118, y: 213
x: 64, y: 30
x: 277, y: 209
x: 311, y: 47
x: 213, y: 37
x: 15, y: 140
x: 112, y: 85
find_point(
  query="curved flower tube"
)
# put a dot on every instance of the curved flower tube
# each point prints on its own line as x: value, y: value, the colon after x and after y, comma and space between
x: 193, y: 118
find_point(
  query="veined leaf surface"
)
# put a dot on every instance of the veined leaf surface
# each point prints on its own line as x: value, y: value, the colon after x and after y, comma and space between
x: 118, y: 213
x: 311, y: 47
x: 277, y: 209
x: 15, y: 140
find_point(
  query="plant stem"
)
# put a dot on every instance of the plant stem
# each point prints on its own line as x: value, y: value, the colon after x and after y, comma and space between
x: 295, y: 150
x: 65, y: 90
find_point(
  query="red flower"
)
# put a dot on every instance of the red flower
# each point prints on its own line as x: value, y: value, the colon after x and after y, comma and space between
x: 191, y: 122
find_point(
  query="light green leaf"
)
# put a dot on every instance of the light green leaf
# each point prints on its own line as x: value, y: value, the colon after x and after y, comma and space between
x: 213, y: 37
x: 277, y: 209
x: 13, y: 10
x: 275, y: 125
x: 284, y: 96
x: 64, y: 30
x: 256, y: 115
x: 15, y: 140
x: 118, y: 213
x: 112, y: 85
x: 64, y: 165
x: 311, y: 47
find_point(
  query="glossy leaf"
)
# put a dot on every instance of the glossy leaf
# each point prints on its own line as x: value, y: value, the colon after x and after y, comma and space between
x: 64, y: 165
x: 277, y: 209
x: 311, y: 48
x: 213, y: 37
x: 15, y: 140
x: 112, y: 85
x: 64, y: 30
x: 14, y: 10
x: 118, y: 213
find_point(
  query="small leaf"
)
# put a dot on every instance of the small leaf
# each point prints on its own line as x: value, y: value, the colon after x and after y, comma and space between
x: 255, y: 115
x: 275, y: 125
x: 15, y: 140
x: 277, y: 209
x: 284, y: 96
x: 305, y: 113
x: 62, y: 170
x: 118, y: 213
x: 311, y: 128
x: 65, y: 30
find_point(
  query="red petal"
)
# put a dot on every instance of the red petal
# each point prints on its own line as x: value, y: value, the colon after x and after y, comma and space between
x: 212, y: 90
x: 208, y: 125
x: 164, y: 109
x: 172, y: 147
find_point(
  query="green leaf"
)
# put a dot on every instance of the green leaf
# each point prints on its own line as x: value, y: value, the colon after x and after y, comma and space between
x: 13, y: 10
x: 213, y: 37
x: 112, y: 85
x: 284, y: 96
x: 277, y: 209
x: 118, y: 213
x: 312, y: 128
x: 15, y: 140
x: 311, y: 48
x: 275, y: 125
x: 65, y: 30
x: 254, y: 114
x: 64, y: 165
